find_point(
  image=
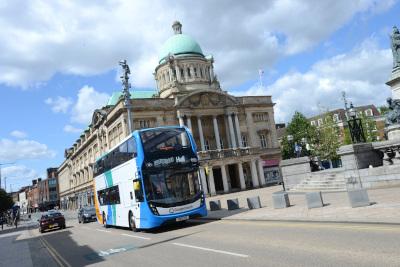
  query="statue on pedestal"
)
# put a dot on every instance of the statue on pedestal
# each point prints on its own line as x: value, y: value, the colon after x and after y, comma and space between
x: 395, y: 39
x: 393, y: 115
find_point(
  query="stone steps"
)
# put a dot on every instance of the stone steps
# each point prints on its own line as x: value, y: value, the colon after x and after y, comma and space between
x: 328, y: 182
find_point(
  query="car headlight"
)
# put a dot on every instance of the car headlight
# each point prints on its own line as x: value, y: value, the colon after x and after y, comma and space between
x: 86, y: 214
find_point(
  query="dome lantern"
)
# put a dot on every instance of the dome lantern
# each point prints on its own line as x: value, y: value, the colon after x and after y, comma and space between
x: 177, y: 27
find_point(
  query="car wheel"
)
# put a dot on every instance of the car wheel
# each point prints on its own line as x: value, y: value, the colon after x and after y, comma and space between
x: 79, y: 221
x: 132, y: 224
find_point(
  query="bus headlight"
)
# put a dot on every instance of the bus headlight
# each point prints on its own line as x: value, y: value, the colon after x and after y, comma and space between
x: 153, y: 209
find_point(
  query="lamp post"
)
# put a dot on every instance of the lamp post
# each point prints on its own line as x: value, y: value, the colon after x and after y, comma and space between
x: 356, y: 132
x: 1, y: 164
x: 125, y: 91
x: 290, y: 140
x: 355, y: 126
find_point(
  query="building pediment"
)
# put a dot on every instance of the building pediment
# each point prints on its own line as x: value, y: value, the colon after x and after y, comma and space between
x: 206, y: 98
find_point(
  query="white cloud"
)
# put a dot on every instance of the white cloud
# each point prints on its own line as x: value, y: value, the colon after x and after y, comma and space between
x: 60, y: 36
x: 18, y: 134
x: 17, y: 176
x: 59, y: 104
x: 23, y: 149
x: 88, y: 100
x: 71, y: 129
x: 361, y: 73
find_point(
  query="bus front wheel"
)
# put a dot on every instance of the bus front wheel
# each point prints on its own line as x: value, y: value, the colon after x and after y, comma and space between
x: 132, y: 224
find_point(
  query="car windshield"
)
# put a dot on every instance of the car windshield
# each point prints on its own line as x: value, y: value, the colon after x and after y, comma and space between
x: 171, y: 186
x: 89, y: 209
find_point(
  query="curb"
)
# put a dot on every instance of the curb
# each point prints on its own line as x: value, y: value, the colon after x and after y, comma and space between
x: 312, y: 221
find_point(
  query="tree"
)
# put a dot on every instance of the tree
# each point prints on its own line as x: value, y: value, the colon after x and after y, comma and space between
x: 299, y: 127
x: 327, y: 139
x: 6, y: 201
x: 383, y: 110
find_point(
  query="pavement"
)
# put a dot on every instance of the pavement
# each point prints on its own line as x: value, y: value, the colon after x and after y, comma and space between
x: 384, y: 208
x: 208, y: 243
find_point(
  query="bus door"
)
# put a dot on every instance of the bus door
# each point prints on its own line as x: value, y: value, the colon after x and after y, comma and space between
x: 138, y: 196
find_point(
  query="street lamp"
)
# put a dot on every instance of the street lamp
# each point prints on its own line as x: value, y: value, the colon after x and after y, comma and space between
x: 125, y: 90
x: 355, y: 126
x: 356, y: 132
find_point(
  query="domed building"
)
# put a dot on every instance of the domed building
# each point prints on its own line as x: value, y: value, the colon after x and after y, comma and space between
x: 235, y: 136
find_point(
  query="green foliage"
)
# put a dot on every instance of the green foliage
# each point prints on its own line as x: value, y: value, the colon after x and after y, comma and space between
x: 383, y: 110
x: 6, y: 201
x: 328, y: 140
x: 299, y: 127
x: 369, y: 128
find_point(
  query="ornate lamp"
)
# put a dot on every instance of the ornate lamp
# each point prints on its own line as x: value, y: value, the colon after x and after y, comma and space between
x: 355, y: 126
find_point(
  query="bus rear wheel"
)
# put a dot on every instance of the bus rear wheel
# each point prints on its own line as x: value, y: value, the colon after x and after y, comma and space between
x: 132, y: 224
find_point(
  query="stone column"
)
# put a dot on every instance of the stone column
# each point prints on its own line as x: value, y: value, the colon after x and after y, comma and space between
x: 203, y: 180
x: 216, y: 132
x: 261, y: 172
x: 178, y: 73
x: 200, y: 133
x: 251, y: 129
x: 185, y: 72
x: 181, y: 121
x: 211, y: 73
x: 241, y: 176
x: 239, y: 135
x: 211, y: 183
x: 189, y: 124
x: 254, y: 176
x: 231, y: 131
x: 224, y: 179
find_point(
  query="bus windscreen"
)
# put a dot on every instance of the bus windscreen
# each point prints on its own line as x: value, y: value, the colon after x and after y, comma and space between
x: 156, y: 140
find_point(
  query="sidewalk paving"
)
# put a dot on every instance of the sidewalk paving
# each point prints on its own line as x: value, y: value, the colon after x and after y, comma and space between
x: 385, y: 207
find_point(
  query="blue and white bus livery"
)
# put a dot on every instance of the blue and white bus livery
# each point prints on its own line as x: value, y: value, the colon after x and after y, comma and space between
x: 151, y: 178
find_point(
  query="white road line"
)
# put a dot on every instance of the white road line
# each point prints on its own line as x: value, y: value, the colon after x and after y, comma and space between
x: 135, y: 236
x: 103, y: 231
x: 212, y: 250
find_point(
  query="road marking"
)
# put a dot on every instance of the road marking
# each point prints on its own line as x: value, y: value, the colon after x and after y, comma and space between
x: 105, y: 231
x: 212, y: 250
x: 135, y: 236
x: 53, y: 252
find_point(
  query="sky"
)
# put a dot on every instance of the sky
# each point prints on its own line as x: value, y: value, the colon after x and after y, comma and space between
x: 59, y: 61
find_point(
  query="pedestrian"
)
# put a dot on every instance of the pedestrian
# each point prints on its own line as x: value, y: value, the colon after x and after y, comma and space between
x: 1, y: 220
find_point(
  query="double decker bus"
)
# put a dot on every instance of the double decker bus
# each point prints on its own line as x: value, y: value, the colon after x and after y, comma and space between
x: 149, y: 179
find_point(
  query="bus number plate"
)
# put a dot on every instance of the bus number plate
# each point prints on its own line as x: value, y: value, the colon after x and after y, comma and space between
x: 184, y: 218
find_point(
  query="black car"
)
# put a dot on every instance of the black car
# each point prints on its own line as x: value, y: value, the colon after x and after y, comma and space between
x: 51, y: 220
x: 87, y: 214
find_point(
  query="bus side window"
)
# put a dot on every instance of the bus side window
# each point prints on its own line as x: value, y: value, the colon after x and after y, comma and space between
x: 132, y: 150
x: 137, y: 187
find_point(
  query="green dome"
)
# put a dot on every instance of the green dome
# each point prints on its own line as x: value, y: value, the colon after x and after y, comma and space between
x: 180, y: 44
x: 134, y: 95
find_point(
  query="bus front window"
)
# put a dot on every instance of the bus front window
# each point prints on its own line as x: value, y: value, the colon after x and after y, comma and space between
x: 171, y: 187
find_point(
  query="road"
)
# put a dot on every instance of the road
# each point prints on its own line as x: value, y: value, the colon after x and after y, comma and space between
x: 222, y: 243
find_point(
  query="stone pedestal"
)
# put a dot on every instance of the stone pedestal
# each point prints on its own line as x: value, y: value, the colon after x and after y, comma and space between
x: 393, y: 132
x: 394, y: 83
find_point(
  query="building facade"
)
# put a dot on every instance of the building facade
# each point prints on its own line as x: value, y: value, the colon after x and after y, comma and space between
x: 339, y: 116
x: 235, y: 136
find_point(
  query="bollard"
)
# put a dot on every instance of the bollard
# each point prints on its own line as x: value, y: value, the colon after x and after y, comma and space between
x: 314, y: 200
x: 358, y: 198
x: 233, y: 204
x: 215, y: 205
x: 254, y: 202
x: 281, y: 200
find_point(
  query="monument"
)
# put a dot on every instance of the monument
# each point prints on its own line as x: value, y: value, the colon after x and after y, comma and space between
x: 393, y: 116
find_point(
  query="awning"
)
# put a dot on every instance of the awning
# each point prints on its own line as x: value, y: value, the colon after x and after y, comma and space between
x: 271, y: 162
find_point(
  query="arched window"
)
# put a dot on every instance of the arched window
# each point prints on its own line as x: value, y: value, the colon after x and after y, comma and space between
x: 182, y: 73
x: 201, y: 72
x: 195, y: 72
x: 188, y: 73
